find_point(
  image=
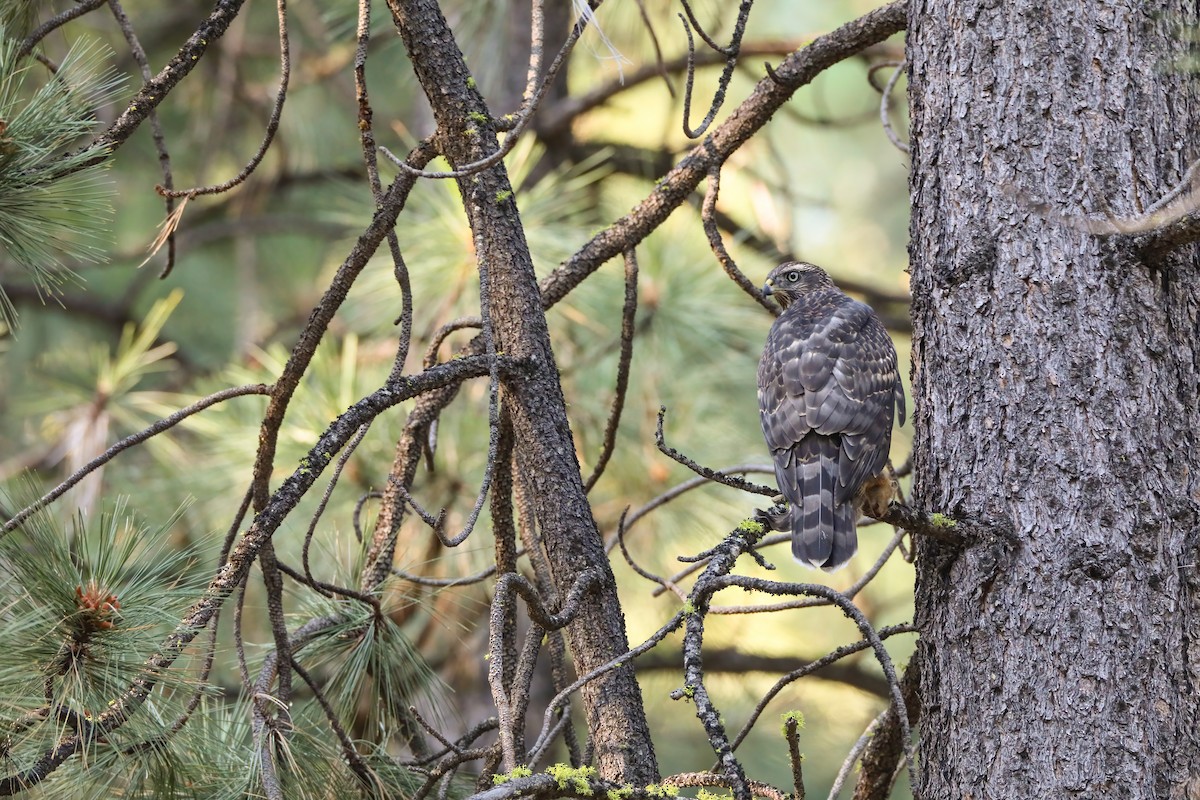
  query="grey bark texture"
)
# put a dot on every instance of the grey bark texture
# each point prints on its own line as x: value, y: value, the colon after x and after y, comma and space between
x: 1055, y: 380
x: 543, y: 447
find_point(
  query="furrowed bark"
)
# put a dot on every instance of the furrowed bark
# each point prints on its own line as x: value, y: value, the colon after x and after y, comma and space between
x: 1055, y: 377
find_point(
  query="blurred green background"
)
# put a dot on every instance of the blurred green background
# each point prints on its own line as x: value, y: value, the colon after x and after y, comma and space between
x: 821, y: 182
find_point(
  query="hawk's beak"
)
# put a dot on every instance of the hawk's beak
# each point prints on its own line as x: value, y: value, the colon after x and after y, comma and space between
x: 767, y: 288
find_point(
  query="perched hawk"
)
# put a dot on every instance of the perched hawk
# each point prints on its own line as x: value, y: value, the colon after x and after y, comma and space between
x: 827, y: 386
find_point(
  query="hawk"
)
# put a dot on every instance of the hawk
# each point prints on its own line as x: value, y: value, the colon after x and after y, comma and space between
x: 827, y: 387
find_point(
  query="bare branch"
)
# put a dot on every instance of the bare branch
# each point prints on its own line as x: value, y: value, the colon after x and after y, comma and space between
x: 628, y: 314
x: 285, y: 71
x: 885, y: 102
x: 56, y: 22
x: 710, y: 474
x: 160, y: 143
x: 708, y: 215
x: 129, y: 441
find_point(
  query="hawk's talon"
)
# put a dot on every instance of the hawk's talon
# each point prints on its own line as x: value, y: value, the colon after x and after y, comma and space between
x: 778, y: 516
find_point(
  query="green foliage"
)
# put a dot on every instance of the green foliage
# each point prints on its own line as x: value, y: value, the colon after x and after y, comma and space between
x: 360, y: 656
x: 620, y: 793
x: 86, y: 606
x: 52, y: 206
x: 752, y: 526
x: 517, y: 772
x: 573, y: 778
x: 17, y: 16
x: 791, y: 717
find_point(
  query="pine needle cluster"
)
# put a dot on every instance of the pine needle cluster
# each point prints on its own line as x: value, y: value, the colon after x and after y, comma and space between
x: 54, y: 204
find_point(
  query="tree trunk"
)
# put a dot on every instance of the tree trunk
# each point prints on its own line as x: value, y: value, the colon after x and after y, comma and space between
x: 1055, y: 378
x: 543, y: 446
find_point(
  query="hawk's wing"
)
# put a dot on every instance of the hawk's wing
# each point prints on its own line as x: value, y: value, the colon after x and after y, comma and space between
x: 831, y: 368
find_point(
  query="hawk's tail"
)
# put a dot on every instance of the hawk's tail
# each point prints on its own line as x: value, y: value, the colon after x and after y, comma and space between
x: 824, y: 534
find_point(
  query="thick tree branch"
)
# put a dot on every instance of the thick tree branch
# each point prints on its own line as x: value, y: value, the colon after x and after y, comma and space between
x: 886, y: 748
x: 543, y: 446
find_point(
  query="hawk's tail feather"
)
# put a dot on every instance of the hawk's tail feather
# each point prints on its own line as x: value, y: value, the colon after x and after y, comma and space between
x: 824, y: 534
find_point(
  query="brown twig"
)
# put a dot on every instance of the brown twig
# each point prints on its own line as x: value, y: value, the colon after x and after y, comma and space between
x: 628, y: 314
x: 708, y: 217
x: 129, y: 441
x: 156, y: 130
x: 285, y: 71
x: 710, y: 474
x: 56, y: 22
x: 731, y: 55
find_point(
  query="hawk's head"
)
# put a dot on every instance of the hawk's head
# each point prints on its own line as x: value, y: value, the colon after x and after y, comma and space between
x: 789, y: 281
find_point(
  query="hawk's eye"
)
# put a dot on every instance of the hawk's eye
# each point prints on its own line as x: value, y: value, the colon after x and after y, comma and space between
x: 793, y: 276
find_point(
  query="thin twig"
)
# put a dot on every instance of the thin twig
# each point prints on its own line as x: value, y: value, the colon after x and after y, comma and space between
x: 709, y: 218
x: 650, y: 576
x: 285, y: 71
x: 509, y: 586
x: 329, y: 487
x: 465, y: 580
x: 811, y: 602
x: 129, y: 441
x: 731, y: 53
x: 679, y: 490
x: 559, y: 700
x: 808, y: 669
x: 156, y: 130
x: 710, y: 474
x: 56, y: 22
x: 628, y: 315
x: 367, y: 143
x: 885, y: 106
x: 855, y: 753
x: 791, y: 732
x: 489, y: 470
x: 349, y: 752
x: 529, y: 104
x: 444, y: 331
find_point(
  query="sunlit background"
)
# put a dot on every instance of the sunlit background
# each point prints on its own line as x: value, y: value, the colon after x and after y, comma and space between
x: 822, y: 183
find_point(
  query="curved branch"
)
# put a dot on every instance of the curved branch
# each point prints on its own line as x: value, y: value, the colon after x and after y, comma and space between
x: 285, y: 71
x: 56, y: 22
x: 708, y: 216
x: 710, y: 474
x: 628, y: 314
x: 731, y: 55
x: 155, y: 90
